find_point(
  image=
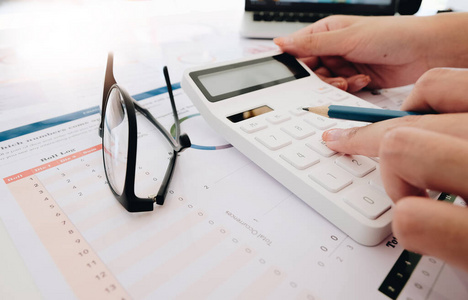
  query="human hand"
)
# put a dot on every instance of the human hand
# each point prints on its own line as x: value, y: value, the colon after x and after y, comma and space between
x: 352, y: 52
x: 418, y: 153
x: 440, y: 90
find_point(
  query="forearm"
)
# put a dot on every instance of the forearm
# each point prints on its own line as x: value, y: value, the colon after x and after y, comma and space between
x: 445, y: 39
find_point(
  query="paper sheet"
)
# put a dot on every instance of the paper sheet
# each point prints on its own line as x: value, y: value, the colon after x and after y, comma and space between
x: 227, y: 229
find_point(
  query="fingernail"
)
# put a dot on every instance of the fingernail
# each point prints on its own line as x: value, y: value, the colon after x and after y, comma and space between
x: 333, y: 134
x: 338, y: 84
x: 363, y: 81
x: 282, y: 41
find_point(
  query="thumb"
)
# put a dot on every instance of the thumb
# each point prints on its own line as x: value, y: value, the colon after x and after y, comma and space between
x: 330, y: 43
x: 433, y: 228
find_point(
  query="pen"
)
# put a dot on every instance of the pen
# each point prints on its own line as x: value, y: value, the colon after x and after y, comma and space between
x: 363, y: 114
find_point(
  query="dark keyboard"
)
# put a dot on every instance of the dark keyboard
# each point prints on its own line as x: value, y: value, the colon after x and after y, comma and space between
x: 270, y: 16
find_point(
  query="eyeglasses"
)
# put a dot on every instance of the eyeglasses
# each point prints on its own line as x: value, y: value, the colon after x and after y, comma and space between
x: 118, y: 130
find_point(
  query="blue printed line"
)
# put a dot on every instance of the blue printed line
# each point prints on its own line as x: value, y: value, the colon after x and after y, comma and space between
x: 203, y: 147
x: 155, y: 92
x: 22, y: 130
x: 19, y: 131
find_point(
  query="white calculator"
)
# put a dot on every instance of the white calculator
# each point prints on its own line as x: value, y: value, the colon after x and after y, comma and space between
x: 256, y: 104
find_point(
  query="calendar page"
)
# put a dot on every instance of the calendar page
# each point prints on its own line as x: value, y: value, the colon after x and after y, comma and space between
x: 227, y: 229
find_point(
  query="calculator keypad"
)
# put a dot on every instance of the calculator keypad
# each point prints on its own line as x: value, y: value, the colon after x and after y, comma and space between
x: 295, y: 137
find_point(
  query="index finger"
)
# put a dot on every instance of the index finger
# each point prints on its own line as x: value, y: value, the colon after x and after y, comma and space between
x: 366, y: 140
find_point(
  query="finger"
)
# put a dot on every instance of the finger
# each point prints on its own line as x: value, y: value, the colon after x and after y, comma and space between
x: 351, y: 84
x: 327, y: 24
x: 441, y: 90
x: 316, y: 44
x: 358, y: 82
x: 338, y: 82
x: 413, y: 160
x: 339, y: 66
x: 323, y: 72
x: 366, y: 140
x: 312, y: 62
x: 433, y: 228
x: 305, y: 41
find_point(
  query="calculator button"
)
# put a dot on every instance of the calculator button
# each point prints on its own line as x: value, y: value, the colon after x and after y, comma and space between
x: 368, y: 201
x: 337, y: 96
x: 298, y: 111
x: 331, y: 178
x: 299, y: 130
x: 253, y: 126
x: 278, y: 118
x: 300, y: 157
x: 318, y: 101
x: 323, y: 89
x: 274, y: 140
x: 357, y: 165
x: 319, y: 121
x: 319, y: 146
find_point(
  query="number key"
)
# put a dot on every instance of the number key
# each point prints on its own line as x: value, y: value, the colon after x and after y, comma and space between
x: 331, y: 178
x: 368, y: 201
x: 274, y: 139
x: 299, y: 130
x: 300, y: 157
x: 319, y: 121
x: 357, y: 165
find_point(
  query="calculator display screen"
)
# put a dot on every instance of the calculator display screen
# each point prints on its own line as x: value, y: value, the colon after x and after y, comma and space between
x: 224, y: 82
x: 249, y: 114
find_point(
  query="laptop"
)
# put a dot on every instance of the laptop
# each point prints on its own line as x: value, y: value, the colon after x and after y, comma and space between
x: 272, y: 18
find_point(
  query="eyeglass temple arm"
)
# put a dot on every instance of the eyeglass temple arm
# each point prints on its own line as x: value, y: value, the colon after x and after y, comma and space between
x: 155, y: 122
x: 109, y: 81
x: 171, y: 97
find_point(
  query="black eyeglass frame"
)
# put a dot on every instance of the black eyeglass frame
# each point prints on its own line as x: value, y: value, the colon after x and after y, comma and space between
x: 179, y: 142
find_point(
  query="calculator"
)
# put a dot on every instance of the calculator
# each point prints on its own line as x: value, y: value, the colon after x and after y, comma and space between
x: 256, y: 104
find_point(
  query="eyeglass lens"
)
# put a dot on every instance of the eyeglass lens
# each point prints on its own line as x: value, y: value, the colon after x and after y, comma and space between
x: 115, y: 140
x: 153, y: 150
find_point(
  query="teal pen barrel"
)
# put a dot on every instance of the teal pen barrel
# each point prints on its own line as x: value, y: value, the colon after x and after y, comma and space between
x: 365, y: 114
